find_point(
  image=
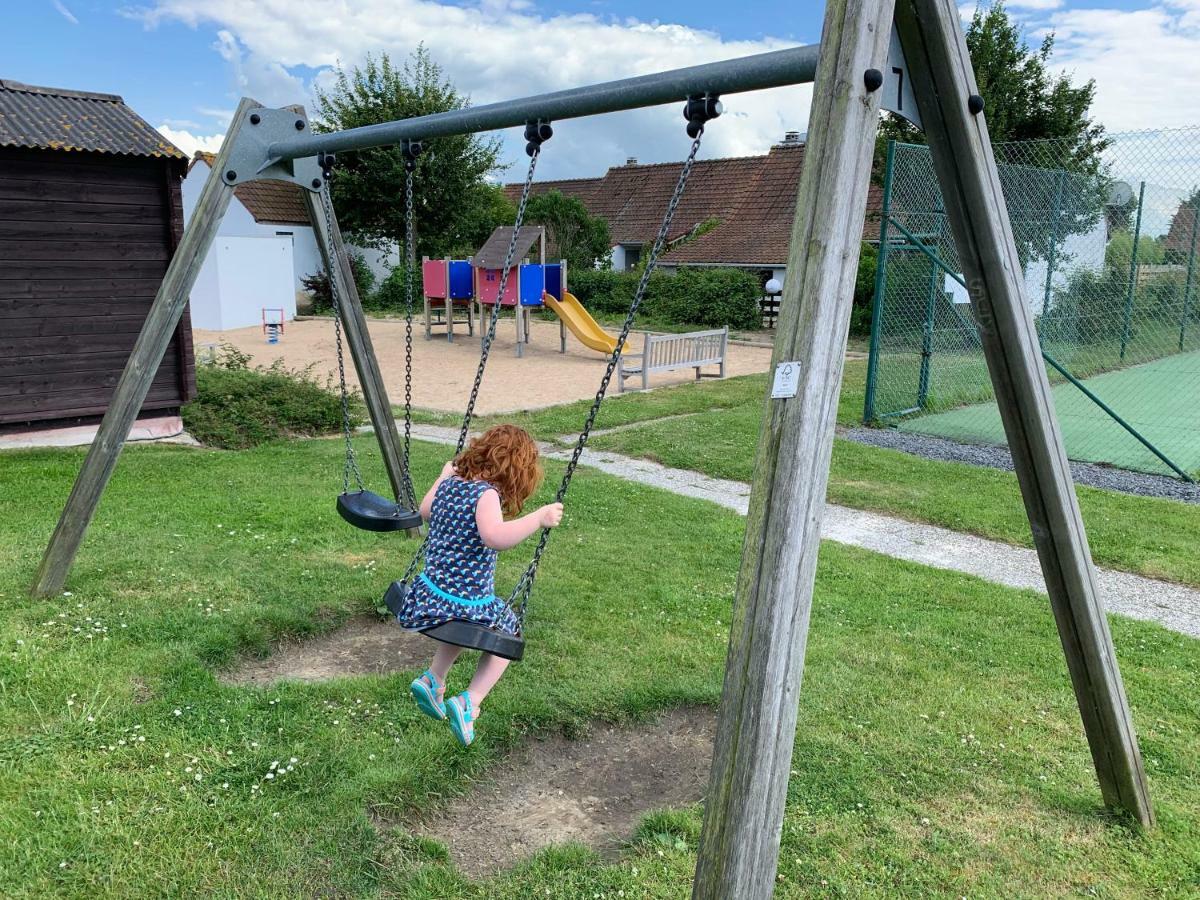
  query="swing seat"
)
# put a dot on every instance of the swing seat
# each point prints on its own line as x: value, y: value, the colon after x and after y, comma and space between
x: 459, y: 633
x: 371, y: 512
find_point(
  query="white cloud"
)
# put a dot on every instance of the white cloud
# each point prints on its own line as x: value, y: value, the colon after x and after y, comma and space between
x: 1034, y: 4
x: 1146, y: 62
x: 188, y: 142
x: 64, y: 12
x: 492, y: 51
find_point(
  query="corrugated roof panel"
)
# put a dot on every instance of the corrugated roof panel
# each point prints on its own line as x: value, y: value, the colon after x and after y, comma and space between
x: 41, y: 118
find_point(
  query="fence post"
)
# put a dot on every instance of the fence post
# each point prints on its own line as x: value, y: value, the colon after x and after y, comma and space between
x: 1133, y: 255
x: 880, y: 285
x: 1191, y: 271
x: 927, y: 333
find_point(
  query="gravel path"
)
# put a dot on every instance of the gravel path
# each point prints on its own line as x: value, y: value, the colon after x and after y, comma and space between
x: 1171, y: 605
x: 995, y: 457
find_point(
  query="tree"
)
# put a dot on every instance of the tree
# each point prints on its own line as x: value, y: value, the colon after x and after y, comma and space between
x: 574, y: 234
x: 368, y: 185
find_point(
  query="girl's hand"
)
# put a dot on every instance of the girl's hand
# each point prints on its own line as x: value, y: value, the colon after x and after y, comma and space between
x: 448, y: 470
x: 550, y: 515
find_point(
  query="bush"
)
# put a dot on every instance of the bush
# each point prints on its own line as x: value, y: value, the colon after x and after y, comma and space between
x: 706, y: 298
x: 864, y: 290
x: 317, y: 284
x: 237, y: 406
x: 392, y: 296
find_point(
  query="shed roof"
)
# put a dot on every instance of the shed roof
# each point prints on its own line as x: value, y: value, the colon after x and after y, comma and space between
x: 274, y: 202
x: 491, y: 254
x: 45, y: 118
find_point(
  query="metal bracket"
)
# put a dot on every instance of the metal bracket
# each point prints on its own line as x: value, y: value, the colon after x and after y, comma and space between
x: 898, y: 96
x: 248, y: 160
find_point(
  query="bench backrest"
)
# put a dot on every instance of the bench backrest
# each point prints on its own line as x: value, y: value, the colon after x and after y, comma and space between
x: 697, y: 348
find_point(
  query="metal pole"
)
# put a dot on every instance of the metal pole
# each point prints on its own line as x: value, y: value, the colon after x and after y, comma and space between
x: 796, y: 65
x: 927, y: 334
x: 1191, y: 271
x: 881, y: 262
x: 1133, y: 255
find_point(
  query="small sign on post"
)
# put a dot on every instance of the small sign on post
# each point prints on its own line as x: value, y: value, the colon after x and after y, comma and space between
x: 787, y: 380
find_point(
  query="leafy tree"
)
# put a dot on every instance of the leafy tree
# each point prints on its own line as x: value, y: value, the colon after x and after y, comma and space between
x: 574, y: 234
x: 1119, y: 252
x: 483, y: 210
x: 368, y: 185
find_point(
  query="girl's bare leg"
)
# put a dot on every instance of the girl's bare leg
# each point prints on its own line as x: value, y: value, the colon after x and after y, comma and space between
x: 443, y: 659
x: 487, y: 673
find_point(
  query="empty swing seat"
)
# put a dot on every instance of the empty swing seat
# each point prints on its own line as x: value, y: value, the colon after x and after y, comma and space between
x: 371, y: 512
x: 459, y: 633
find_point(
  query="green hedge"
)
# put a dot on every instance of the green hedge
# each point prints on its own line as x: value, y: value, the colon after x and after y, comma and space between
x: 238, y: 407
x: 707, y: 298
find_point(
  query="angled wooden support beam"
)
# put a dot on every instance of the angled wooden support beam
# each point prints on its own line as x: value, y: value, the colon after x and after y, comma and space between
x: 139, y: 371
x: 942, y: 79
x: 743, y: 813
x: 358, y: 339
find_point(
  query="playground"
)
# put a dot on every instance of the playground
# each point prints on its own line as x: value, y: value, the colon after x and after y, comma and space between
x: 542, y: 377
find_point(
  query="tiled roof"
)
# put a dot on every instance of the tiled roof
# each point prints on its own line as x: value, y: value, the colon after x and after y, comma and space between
x: 753, y: 198
x: 491, y: 254
x: 275, y: 202
x: 1179, y: 238
x: 43, y: 118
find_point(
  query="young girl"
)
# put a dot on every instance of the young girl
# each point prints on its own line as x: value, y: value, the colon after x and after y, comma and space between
x: 466, y: 509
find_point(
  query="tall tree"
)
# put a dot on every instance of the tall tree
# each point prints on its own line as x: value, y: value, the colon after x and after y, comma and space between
x: 572, y: 232
x: 450, y: 191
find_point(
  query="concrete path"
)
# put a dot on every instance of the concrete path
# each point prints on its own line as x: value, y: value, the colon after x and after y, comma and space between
x: 1171, y: 605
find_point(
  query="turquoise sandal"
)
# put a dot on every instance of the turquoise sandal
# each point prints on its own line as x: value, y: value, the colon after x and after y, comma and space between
x: 425, y: 693
x: 462, y: 721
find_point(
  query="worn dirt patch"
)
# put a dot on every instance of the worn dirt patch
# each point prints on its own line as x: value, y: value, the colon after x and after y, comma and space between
x: 363, y: 646
x: 591, y: 791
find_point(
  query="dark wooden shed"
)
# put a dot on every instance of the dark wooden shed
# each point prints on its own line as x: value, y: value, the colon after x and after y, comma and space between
x: 90, y: 214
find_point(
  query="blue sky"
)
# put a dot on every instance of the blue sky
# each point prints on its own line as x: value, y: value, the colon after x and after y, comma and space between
x: 182, y: 64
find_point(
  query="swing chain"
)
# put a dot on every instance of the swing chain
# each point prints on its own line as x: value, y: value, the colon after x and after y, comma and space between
x: 534, y: 148
x: 519, y: 599
x: 410, y: 150
x: 351, y: 465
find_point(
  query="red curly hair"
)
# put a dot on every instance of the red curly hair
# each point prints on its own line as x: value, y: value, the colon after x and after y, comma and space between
x: 506, y: 457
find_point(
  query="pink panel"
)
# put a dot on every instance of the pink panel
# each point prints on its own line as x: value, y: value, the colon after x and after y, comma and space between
x: 433, y: 277
x: 489, y: 286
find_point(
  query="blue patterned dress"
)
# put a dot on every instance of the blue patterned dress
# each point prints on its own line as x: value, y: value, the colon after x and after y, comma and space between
x: 458, y: 581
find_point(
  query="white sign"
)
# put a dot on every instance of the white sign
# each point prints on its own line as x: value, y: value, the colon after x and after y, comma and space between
x: 787, y: 380
x: 956, y: 290
x: 898, y: 94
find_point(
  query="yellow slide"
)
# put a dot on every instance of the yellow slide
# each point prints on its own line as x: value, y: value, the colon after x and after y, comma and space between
x: 582, y: 325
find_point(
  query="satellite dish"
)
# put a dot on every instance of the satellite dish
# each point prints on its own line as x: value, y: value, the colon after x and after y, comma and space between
x: 773, y: 287
x: 1120, y: 193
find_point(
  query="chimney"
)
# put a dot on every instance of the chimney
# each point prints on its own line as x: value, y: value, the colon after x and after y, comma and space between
x: 631, y: 161
x: 792, y: 139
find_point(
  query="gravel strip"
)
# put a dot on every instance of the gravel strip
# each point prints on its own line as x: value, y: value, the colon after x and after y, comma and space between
x: 1174, y: 606
x: 993, y: 457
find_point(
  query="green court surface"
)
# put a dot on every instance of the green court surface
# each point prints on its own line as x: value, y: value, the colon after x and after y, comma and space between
x: 1160, y: 399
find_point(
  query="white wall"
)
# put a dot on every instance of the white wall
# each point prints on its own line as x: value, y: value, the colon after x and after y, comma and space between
x: 1078, y: 251
x: 240, y: 277
x: 306, y: 258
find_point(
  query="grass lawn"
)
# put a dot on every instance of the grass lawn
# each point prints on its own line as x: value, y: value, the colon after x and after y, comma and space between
x: 127, y: 769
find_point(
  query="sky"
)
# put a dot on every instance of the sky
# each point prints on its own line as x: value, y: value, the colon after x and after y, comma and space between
x: 183, y: 64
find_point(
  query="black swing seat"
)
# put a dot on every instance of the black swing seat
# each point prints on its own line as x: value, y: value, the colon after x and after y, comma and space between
x: 371, y: 512
x: 460, y: 633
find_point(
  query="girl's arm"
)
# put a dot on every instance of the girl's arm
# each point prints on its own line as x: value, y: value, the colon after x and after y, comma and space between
x: 427, y: 504
x: 500, y: 535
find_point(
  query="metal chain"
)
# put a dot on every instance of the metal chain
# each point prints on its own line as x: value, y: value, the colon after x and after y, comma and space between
x: 495, y: 317
x: 351, y: 464
x: 410, y: 263
x: 487, y: 343
x: 519, y: 598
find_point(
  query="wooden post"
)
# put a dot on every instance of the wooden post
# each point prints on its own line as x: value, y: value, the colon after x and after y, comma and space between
x: 743, y: 812
x: 144, y: 360
x: 942, y: 79
x: 358, y: 340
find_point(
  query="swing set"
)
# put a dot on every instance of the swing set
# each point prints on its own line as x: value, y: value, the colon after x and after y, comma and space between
x: 908, y: 56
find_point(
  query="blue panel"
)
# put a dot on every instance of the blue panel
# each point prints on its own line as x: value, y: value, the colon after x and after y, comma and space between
x: 460, y: 279
x: 533, y: 282
x: 554, y: 280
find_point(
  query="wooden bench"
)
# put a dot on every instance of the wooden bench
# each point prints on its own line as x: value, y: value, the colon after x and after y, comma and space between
x: 670, y: 352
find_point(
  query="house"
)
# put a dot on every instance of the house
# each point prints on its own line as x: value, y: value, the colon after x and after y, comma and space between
x: 90, y: 215
x: 736, y: 211
x: 1183, y: 237
x: 264, y: 248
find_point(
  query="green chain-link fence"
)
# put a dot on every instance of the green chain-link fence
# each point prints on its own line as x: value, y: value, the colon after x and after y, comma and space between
x: 1111, y: 266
